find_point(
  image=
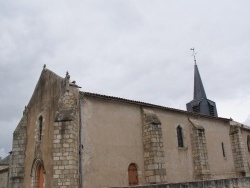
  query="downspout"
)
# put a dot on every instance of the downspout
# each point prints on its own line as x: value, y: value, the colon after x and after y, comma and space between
x: 80, y: 142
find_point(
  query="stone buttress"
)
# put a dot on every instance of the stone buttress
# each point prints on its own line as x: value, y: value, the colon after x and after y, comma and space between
x: 65, y: 144
x: 199, y: 151
x: 16, y: 170
x: 154, y: 162
x: 239, y: 153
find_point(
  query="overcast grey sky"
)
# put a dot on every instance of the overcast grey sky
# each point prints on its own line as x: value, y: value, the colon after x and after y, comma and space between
x: 135, y: 49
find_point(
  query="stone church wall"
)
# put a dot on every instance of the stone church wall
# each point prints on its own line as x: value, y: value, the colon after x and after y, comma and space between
x: 91, y: 140
x: 238, y: 150
x: 44, y: 103
x: 179, y: 160
x: 112, y: 136
x: 3, y: 176
x: 35, y: 141
x: 217, y: 132
x: 154, y: 159
x: 112, y: 140
x: 66, y: 142
x: 246, y: 141
x: 34, y: 150
x: 17, y: 158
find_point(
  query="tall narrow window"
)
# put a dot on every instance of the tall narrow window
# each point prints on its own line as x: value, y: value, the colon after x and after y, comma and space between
x: 248, y: 143
x: 223, y: 149
x: 180, y: 136
x: 132, y: 174
x: 40, y: 128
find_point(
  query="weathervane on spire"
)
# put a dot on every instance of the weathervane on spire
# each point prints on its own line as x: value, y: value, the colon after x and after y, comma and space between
x: 194, y: 53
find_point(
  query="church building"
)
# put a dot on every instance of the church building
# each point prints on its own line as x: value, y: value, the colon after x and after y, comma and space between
x: 68, y: 138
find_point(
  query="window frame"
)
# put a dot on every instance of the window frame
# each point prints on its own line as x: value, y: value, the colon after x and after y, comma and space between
x: 248, y: 143
x: 40, y: 128
x: 223, y: 149
x: 180, y: 136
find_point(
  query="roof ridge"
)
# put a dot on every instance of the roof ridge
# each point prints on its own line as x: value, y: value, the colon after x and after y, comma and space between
x: 40, y: 77
x: 149, y: 104
x: 5, y: 161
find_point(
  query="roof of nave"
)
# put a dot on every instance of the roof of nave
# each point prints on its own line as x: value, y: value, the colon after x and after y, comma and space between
x: 5, y: 161
x: 149, y: 105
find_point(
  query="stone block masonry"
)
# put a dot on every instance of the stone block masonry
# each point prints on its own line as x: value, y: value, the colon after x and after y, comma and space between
x: 65, y: 155
x: 239, y: 154
x: 16, y: 172
x: 154, y: 162
x: 3, y: 176
x: 199, y: 151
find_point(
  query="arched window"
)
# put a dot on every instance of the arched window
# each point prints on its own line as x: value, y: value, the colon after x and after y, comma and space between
x: 132, y: 174
x: 40, y: 131
x: 180, y: 136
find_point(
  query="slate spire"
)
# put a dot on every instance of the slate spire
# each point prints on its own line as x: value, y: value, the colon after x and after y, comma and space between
x: 199, y: 91
x: 200, y: 103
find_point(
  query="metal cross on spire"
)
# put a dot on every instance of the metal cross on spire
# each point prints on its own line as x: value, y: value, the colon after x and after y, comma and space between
x: 194, y: 53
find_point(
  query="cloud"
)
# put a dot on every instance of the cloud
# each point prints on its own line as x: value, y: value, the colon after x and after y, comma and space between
x: 132, y: 49
x: 6, y: 134
x: 247, y: 121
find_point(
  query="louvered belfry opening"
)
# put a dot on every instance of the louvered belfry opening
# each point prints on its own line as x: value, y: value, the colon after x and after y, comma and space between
x: 196, y: 109
x: 211, y: 110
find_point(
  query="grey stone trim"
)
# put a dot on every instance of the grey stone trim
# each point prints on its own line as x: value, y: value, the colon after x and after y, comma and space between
x: 65, y: 144
x: 238, y: 150
x: 67, y: 107
x: 199, y: 151
x: 154, y: 162
x: 4, y: 177
x: 16, y: 172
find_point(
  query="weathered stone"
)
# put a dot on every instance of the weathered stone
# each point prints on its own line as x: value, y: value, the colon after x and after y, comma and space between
x: 153, y: 147
x: 200, y: 157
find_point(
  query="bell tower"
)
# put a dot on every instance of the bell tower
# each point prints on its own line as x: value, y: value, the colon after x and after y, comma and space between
x: 200, y: 103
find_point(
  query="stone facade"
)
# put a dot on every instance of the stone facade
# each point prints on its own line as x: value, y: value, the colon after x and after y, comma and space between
x: 65, y: 155
x: 154, y: 162
x: 17, y: 165
x: 4, y: 171
x: 199, y: 151
x: 238, y: 149
x: 68, y: 138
